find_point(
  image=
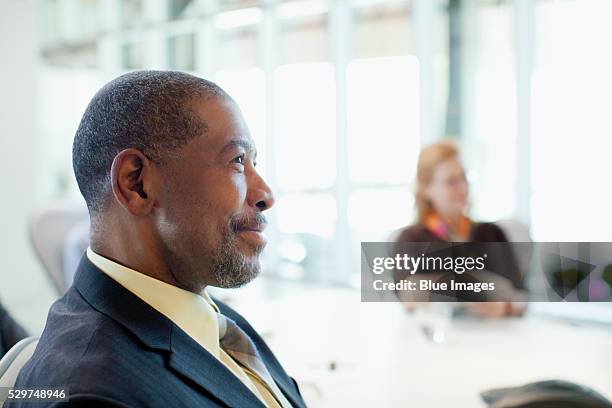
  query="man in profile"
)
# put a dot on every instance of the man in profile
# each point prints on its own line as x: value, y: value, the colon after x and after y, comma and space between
x: 166, y: 165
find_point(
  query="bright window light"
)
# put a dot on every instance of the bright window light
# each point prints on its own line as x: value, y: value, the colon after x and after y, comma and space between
x: 306, y: 126
x: 238, y: 18
x: 374, y: 214
x: 302, y: 8
x: 383, y: 119
x: 307, y: 213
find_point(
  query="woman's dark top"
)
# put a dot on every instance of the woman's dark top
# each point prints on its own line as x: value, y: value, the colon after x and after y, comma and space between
x: 503, y: 262
x: 481, y: 232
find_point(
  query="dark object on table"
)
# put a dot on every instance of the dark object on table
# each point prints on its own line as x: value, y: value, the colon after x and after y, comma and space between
x: 545, y: 394
x: 10, y: 332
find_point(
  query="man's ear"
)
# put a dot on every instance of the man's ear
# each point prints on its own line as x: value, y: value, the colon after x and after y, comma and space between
x: 133, y: 180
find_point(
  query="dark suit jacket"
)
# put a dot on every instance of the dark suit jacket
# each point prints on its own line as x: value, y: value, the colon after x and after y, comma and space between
x: 111, y: 349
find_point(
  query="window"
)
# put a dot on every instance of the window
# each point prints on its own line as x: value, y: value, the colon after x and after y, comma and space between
x: 132, y: 55
x: 131, y: 13
x: 181, y: 8
x: 570, y: 125
x: 383, y: 124
x: 489, y: 103
x: 306, y: 126
x: 181, y: 52
x: 383, y: 106
x: 237, y: 48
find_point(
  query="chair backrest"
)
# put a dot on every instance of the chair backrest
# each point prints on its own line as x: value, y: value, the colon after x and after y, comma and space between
x: 516, y: 231
x: 12, y: 362
x: 48, y: 228
x: 395, y: 234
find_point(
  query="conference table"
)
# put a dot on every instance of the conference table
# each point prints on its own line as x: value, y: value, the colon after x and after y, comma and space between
x: 345, y: 353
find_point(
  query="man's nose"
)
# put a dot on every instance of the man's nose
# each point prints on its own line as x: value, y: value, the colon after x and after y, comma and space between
x: 260, y: 194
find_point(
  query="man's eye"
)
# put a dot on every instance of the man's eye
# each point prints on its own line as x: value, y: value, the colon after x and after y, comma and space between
x: 239, y: 159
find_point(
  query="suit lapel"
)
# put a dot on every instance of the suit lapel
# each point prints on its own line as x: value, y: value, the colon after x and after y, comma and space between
x: 157, y: 332
x: 194, y: 362
x: 286, y: 388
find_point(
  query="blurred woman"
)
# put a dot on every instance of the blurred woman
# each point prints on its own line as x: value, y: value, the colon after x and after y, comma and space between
x: 442, y: 202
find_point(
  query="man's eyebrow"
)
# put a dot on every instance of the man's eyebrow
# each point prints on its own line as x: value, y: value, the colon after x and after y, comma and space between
x: 245, y: 144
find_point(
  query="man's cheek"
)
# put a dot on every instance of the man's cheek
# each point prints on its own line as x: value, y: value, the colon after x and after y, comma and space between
x: 236, y: 187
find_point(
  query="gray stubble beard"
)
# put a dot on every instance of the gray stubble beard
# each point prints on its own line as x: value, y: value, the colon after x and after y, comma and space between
x: 230, y: 268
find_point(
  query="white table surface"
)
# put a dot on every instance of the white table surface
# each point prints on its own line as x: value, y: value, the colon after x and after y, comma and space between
x: 383, y: 359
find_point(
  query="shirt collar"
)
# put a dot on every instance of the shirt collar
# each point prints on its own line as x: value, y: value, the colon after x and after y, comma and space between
x: 195, y: 314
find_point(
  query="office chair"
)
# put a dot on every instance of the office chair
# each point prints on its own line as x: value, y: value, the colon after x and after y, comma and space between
x: 516, y: 231
x: 48, y: 228
x: 12, y: 362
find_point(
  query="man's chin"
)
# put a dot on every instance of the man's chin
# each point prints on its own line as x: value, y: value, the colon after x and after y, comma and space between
x: 237, y: 282
x: 246, y: 281
x: 236, y: 276
x: 238, y: 262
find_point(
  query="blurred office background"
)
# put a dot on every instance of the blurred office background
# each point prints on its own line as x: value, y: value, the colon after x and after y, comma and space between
x: 340, y: 96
